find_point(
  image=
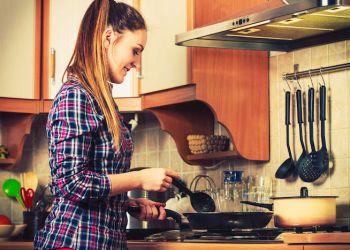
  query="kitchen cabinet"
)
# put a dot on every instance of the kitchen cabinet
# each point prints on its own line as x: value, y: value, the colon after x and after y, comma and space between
x: 20, y: 27
x: 230, y: 87
x: 29, y: 28
x: 60, y: 29
x: 164, y: 65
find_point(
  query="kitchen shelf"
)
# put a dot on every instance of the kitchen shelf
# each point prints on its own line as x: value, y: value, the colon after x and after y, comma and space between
x: 15, y: 128
x: 7, y: 161
x: 125, y: 104
x: 212, y: 157
x: 16, y: 105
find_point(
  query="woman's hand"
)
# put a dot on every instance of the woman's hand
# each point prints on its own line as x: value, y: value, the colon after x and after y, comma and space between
x: 157, y: 179
x: 149, y: 210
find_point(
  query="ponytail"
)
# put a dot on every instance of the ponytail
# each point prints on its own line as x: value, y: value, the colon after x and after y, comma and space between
x: 89, y: 62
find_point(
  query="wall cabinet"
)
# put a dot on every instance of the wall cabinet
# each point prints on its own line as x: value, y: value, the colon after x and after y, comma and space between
x: 61, y: 25
x: 231, y: 87
x: 38, y: 37
x: 164, y: 65
x: 20, y: 28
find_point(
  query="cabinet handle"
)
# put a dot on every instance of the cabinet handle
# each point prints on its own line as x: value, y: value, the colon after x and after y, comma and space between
x: 52, y: 65
x: 139, y: 75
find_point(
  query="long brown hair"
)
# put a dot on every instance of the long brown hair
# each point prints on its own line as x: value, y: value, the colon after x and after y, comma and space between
x: 89, y: 62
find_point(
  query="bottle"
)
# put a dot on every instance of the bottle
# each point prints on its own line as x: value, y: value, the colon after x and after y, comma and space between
x: 237, y: 191
x: 226, y: 203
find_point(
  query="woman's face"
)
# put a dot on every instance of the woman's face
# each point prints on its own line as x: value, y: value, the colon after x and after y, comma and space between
x: 124, y: 52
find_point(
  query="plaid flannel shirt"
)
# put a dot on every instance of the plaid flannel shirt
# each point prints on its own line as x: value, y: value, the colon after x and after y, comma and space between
x: 81, y: 155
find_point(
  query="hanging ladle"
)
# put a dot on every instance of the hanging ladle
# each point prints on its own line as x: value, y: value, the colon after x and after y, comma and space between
x: 287, y: 167
x: 322, y: 158
x: 310, y: 172
x: 304, y: 160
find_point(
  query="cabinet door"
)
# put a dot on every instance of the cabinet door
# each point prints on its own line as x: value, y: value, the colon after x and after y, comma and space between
x: 61, y: 25
x: 164, y: 65
x: 20, y: 48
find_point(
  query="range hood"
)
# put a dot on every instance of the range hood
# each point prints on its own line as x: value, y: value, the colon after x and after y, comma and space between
x: 298, y: 25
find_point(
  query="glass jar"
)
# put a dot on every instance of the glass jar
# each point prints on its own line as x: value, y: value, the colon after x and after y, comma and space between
x: 238, y: 191
x: 232, y: 192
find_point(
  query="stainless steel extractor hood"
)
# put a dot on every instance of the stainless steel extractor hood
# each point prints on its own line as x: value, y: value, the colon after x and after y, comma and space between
x: 298, y: 25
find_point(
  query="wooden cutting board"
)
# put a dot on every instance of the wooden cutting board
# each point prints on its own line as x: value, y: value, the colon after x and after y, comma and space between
x: 320, y: 237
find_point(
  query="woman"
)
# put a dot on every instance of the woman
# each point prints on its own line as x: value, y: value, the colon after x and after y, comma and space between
x: 90, y: 147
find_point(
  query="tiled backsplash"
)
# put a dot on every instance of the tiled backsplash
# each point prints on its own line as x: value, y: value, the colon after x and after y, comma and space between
x: 337, y: 182
x: 155, y: 148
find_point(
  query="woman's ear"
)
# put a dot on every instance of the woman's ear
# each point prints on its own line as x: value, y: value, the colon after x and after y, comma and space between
x: 108, y: 37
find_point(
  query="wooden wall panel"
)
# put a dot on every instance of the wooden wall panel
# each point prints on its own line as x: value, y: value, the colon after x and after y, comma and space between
x: 234, y: 82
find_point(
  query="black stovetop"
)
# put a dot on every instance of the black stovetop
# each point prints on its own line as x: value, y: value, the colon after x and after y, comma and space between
x: 258, y: 235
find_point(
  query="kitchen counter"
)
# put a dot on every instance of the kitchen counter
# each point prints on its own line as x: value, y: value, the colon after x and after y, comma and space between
x: 140, y: 245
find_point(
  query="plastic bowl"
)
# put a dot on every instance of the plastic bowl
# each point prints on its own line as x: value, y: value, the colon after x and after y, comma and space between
x: 9, y: 231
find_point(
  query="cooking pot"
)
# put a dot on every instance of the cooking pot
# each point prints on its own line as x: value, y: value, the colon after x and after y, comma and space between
x: 134, y: 223
x: 301, y: 211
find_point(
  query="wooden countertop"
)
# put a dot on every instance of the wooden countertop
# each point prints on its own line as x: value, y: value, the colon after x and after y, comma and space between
x: 141, y: 245
x: 307, y: 238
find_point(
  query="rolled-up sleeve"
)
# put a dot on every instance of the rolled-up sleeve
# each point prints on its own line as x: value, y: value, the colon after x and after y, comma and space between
x: 73, y: 125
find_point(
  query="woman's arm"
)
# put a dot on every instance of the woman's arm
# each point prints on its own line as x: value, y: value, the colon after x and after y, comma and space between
x: 152, y: 179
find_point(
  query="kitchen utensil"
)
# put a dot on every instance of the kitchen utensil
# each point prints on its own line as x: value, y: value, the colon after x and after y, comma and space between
x: 27, y: 196
x: 211, y: 190
x: 35, y: 220
x: 304, y: 160
x: 11, y: 187
x: 200, y: 201
x: 30, y: 180
x: 218, y: 220
x: 301, y: 211
x: 322, y: 158
x: 310, y: 172
x: 288, y: 166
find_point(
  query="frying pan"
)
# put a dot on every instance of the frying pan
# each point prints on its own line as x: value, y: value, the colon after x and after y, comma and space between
x: 218, y: 220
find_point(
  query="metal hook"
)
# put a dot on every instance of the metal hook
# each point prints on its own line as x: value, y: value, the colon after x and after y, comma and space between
x: 285, y: 78
x: 296, y: 78
x: 312, y: 83
x: 324, y: 83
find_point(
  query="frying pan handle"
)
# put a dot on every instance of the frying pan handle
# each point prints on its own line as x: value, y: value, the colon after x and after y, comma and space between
x: 322, y: 103
x: 287, y: 97
x: 299, y: 110
x: 169, y: 213
x: 311, y: 94
x: 256, y: 204
x: 182, y: 188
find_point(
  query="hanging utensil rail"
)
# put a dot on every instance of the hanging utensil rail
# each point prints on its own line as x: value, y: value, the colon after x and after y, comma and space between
x: 321, y: 70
